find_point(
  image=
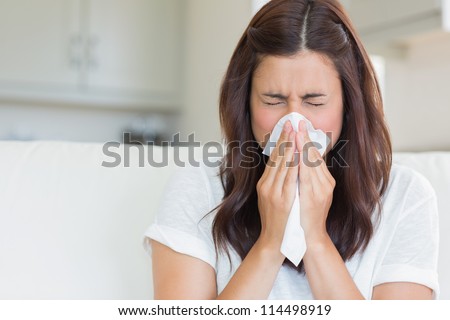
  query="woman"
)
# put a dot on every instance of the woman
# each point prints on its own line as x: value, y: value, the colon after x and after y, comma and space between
x: 370, y: 226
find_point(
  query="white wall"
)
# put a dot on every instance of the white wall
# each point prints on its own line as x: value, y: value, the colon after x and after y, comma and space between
x: 212, y: 32
x: 418, y: 95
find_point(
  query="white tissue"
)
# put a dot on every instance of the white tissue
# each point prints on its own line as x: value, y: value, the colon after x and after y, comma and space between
x: 293, y: 246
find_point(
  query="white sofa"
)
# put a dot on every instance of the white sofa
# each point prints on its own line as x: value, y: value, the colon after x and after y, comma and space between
x: 72, y: 229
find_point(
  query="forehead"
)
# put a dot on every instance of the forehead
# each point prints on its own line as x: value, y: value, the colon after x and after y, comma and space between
x: 306, y: 70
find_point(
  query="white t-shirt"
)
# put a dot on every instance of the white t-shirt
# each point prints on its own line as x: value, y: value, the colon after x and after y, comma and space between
x: 404, y: 247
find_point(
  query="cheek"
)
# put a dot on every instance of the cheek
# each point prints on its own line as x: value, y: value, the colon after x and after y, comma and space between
x: 330, y: 123
x: 263, y: 121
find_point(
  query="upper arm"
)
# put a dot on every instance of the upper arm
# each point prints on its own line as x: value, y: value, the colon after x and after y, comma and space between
x: 182, y: 247
x: 408, y: 267
x: 401, y: 291
x: 179, y: 276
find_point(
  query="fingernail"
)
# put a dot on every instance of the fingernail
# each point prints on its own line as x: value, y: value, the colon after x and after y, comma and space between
x: 302, y: 125
x: 287, y: 126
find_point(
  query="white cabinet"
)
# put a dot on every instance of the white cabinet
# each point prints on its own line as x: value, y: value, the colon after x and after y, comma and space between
x: 113, y: 53
x: 387, y: 24
x: 34, y: 42
x: 370, y: 15
x: 147, y: 30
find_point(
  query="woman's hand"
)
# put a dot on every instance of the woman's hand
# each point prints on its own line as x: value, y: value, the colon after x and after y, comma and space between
x: 316, y: 187
x: 276, y: 189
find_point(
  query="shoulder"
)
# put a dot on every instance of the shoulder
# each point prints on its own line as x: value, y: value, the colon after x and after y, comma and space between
x: 405, y: 181
x: 185, y: 214
x: 195, y: 186
x: 190, y: 178
x: 408, y: 176
x: 408, y: 191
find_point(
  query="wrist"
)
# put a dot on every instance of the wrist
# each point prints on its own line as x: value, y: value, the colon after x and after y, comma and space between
x: 317, y: 240
x: 269, y: 249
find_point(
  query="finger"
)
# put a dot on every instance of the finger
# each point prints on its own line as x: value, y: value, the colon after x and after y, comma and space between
x: 274, y: 154
x: 278, y: 153
x: 313, y: 154
x: 316, y: 157
x: 326, y: 173
x: 291, y: 179
x: 319, y: 181
x: 303, y: 172
x: 286, y: 173
x: 316, y: 165
x: 314, y: 175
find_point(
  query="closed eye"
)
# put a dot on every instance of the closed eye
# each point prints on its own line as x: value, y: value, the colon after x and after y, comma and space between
x: 316, y: 104
x: 273, y: 104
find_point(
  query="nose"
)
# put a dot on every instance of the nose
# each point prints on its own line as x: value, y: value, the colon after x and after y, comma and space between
x: 296, y: 106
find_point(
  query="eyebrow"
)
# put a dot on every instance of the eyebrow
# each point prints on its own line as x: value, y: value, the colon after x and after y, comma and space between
x: 283, y: 97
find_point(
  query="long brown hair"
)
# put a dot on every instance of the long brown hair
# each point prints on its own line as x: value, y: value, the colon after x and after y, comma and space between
x: 283, y: 28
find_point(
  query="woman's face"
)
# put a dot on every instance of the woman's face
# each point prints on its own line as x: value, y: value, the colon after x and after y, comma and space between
x: 307, y: 83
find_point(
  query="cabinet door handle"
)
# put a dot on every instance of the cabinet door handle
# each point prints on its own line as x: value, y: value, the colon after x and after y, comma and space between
x: 93, y: 43
x: 75, y: 51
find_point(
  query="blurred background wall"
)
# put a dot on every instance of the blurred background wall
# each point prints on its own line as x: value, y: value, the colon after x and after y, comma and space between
x: 90, y: 70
